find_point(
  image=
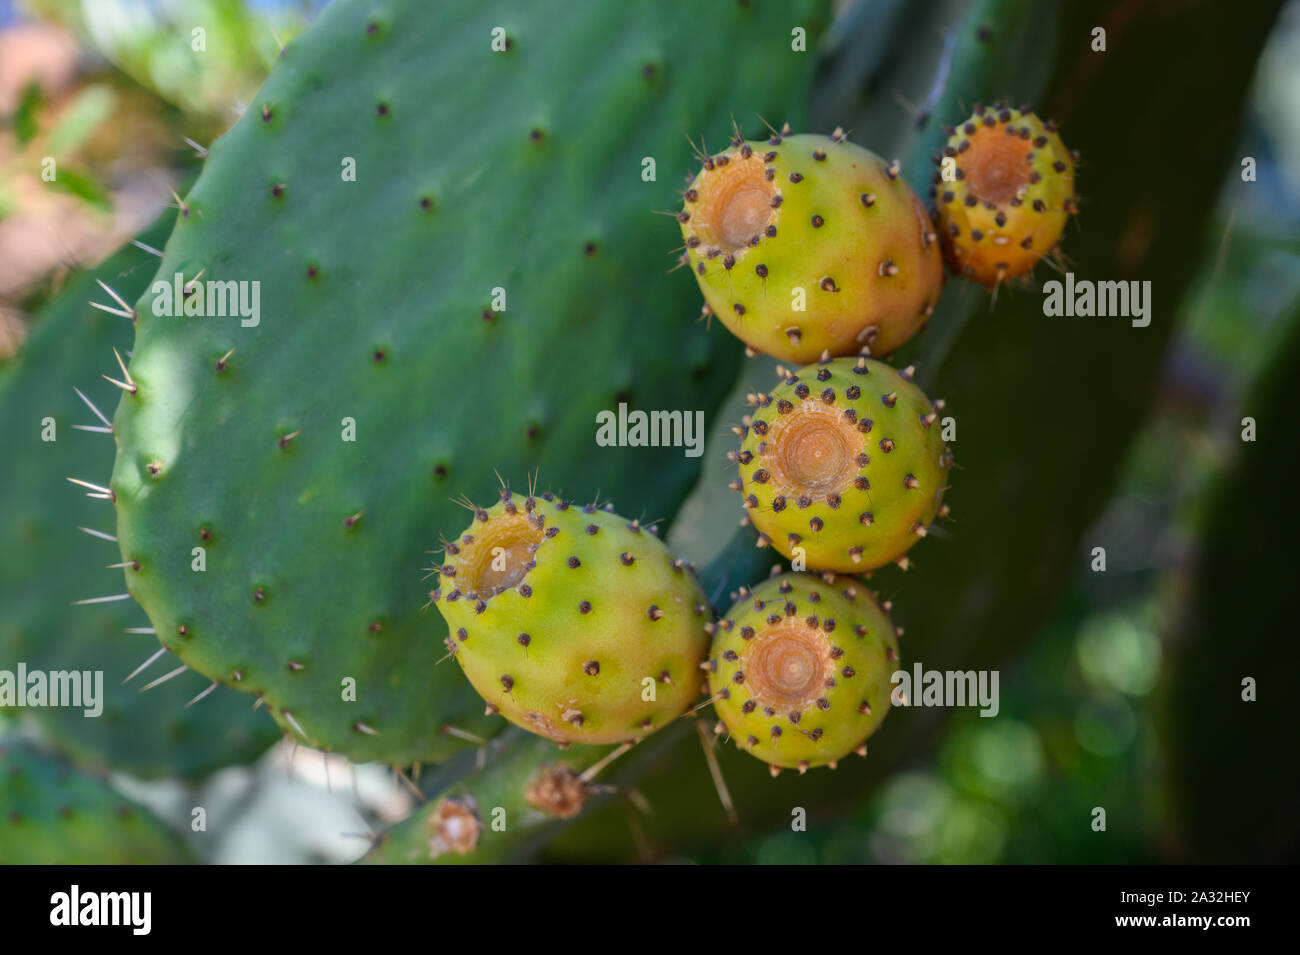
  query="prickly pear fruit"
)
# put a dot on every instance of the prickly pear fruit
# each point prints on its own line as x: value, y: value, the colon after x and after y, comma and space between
x: 573, y: 622
x: 800, y: 669
x: 804, y: 244
x: 844, y: 460
x: 1005, y: 192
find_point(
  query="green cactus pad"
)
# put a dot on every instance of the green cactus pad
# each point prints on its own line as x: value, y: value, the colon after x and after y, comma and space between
x: 575, y: 623
x: 808, y: 244
x: 54, y: 814
x: 843, y: 465
x: 471, y: 299
x: 800, y: 669
x: 47, y: 563
x: 1006, y: 191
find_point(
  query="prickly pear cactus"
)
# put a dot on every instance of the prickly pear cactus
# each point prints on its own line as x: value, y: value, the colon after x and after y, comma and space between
x: 53, y: 814
x: 843, y: 464
x: 1006, y: 191
x: 800, y: 670
x: 57, y: 552
x: 435, y: 273
x: 806, y: 244
x: 524, y: 790
x: 571, y: 621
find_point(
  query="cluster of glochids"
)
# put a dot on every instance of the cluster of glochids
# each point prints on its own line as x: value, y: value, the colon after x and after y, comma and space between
x: 805, y: 245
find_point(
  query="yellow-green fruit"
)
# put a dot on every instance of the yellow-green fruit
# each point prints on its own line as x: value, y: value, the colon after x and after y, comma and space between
x: 807, y: 244
x: 843, y: 466
x: 800, y: 669
x: 1004, y: 192
x: 571, y: 621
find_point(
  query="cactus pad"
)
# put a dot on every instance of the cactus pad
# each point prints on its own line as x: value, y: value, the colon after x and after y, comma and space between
x: 53, y: 814
x: 433, y: 269
x: 48, y: 565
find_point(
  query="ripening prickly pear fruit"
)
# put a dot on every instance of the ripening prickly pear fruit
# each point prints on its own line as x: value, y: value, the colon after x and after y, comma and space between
x: 800, y: 669
x: 1004, y: 192
x: 806, y: 244
x: 571, y: 621
x: 843, y: 465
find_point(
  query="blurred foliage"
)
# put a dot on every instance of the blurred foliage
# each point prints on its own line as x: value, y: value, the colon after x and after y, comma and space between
x: 207, y: 57
x: 120, y: 95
